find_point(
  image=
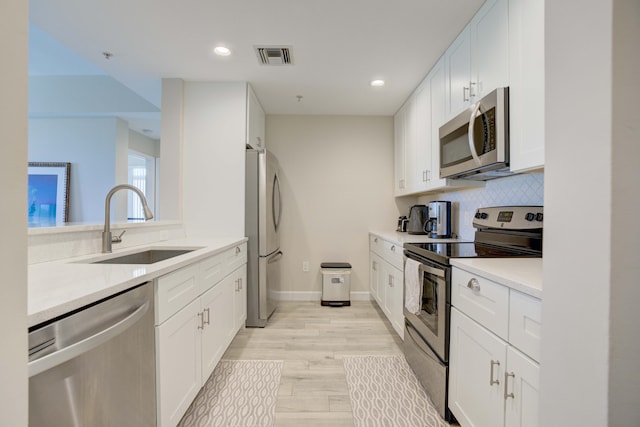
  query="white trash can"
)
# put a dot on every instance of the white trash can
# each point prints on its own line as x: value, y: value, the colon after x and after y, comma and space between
x: 336, y: 283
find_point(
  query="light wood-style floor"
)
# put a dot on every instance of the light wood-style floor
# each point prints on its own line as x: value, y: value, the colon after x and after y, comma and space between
x: 312, y: 340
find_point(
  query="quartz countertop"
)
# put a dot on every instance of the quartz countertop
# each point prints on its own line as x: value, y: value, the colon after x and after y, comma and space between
x: 521, y: 274
x: 58, y: 287
x: 401, y: 238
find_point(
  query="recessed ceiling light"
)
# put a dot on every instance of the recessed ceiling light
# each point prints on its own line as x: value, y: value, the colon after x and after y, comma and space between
x: 222, y: 51
x: 377, y: 83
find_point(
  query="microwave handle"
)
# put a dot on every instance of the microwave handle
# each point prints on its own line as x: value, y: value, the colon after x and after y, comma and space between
x: 472, y: 143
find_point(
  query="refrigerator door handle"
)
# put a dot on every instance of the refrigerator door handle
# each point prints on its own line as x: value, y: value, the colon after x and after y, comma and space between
x: 276, y: 193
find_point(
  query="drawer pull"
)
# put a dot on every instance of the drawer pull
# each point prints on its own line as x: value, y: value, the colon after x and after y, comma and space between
x: 393, y: 248
x: 474, y: 285
x: 238, y: 250
x: 491, y: 380
x: 201, y: 317
x: 375, y: 240
x: 506, y: 381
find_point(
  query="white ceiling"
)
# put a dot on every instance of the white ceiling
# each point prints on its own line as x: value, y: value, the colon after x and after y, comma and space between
x: 338, y: 46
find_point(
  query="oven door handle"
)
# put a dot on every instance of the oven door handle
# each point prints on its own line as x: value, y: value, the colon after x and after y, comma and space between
x: 431, y: 270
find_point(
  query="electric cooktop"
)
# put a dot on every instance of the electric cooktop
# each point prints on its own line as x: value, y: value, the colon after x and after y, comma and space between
x: 508, y: 231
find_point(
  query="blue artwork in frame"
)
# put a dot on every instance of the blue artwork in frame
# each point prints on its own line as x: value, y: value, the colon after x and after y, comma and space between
x: 48, y: 196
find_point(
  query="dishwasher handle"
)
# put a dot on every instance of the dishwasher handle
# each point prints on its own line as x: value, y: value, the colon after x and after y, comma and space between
x: 67, y: 353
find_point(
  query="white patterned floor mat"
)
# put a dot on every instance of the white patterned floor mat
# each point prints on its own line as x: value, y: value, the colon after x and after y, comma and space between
x: 384, y: 392
x: 239, y: 393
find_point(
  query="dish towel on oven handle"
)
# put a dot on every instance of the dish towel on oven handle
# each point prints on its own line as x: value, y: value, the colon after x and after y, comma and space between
x: 412, y: 286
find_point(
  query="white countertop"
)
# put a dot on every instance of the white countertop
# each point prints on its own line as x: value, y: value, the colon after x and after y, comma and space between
x: 521, y: 274
x: 402, y: 238
x: 58, y: 287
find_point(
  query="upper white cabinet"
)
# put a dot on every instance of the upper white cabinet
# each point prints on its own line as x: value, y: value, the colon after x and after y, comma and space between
x: 526, y: 86
x: 255, y: 121
x: 478, y: 59
x: 400, y: 122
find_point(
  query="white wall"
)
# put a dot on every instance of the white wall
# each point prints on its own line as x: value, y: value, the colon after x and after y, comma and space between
x: 337, y: 184
x: 624, y: 377
x: 13, y: 227
x: 169, y: 201
x: 93, y: 146
x: 214, y: 158
x: 143, y: 144
x: 590, y: 342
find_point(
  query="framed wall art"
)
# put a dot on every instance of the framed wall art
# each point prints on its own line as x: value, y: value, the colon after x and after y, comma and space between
x: 48, y: 197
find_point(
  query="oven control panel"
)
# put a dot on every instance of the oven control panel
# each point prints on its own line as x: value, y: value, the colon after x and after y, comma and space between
x: 509, y: 217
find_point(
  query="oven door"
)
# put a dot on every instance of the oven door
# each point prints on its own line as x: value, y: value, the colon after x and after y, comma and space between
x: 432, y: 321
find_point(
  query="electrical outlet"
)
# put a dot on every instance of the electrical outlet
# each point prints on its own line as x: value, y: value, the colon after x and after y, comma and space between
x: 305, y: 266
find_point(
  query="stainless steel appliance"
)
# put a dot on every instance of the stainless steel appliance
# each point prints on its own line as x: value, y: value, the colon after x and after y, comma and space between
x: 475, y: 144
x: 263, y: 212
x: 509, y: 231
x: 438, y: 226
x: 418, y: 215
x: 402, y: 224
x: 96, y: 366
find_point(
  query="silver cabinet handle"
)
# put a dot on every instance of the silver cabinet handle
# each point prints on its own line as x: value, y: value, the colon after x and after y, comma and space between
x: 206, y: 322
x: 393, y: 248
x: 506, y: 381
x: 201, y: 317
x: 374, y: 266
x: 474, y: 285
x: 465, y: 98
x: 471, y: 94
x: 238, y: 250
x: 237, y: 283
x: 375, y: 240
x: 390, y: 281
x: 240, y: 283
x: 491, y: 380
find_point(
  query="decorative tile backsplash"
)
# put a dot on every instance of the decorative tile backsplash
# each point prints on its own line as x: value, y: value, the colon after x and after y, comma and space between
x: 524, y: 189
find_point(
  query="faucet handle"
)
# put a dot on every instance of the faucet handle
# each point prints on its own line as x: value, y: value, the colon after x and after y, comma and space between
x: 118, y: 238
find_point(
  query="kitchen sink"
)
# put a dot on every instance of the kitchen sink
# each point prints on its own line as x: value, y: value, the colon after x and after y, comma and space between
x: 149, y: 256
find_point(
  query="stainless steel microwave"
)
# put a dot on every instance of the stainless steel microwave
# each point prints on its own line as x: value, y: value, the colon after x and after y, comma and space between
x: 475, y: 144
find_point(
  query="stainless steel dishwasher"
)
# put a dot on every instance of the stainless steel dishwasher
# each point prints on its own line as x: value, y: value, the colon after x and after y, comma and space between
x: 96, y: 366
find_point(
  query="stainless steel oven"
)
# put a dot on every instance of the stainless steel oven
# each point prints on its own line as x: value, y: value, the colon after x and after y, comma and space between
x: 508, y: 231
x: 426, y: 338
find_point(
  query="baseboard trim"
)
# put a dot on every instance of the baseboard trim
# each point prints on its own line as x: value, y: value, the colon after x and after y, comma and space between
x: 315, y: 295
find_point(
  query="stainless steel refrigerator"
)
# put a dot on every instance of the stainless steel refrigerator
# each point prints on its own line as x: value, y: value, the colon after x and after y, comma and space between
x: 263, y: 211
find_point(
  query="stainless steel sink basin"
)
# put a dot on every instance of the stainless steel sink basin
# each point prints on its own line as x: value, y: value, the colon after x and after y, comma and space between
x: 149, y: 256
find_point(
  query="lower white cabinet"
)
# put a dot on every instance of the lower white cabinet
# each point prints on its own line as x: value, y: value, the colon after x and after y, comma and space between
x: 492, y: 382
x: 191, y: 338
x: 386, y: 280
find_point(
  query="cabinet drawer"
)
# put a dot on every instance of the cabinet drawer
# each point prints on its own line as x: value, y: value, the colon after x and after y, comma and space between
x: 211, y: 271
x: 525, y: 323
x: 487, y: 302
x: 376, y: 244
x: 175, y: 290
x: 393, y: 254
x: 235, y: 258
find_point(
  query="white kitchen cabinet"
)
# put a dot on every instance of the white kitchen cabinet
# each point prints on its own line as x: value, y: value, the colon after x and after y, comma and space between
x: 240, y: 298
x: 178, y: 344
x: 388, y: 277
x: 526, y: 84
x: 400, y: 122
x: 375, y: 265
x: 419, y: 141
x: 437, y: 90
x: 192, y: 333
x: 477, y: 60
x: 255, y: 121
x: 492, y: 381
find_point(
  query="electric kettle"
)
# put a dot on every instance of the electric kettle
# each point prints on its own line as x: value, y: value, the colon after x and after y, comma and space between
x: 418, y: 216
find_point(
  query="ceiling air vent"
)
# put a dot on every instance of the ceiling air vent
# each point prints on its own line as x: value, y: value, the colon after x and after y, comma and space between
x: 274, y: 55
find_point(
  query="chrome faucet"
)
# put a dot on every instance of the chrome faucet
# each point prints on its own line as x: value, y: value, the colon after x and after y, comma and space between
x: 107, y: 239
